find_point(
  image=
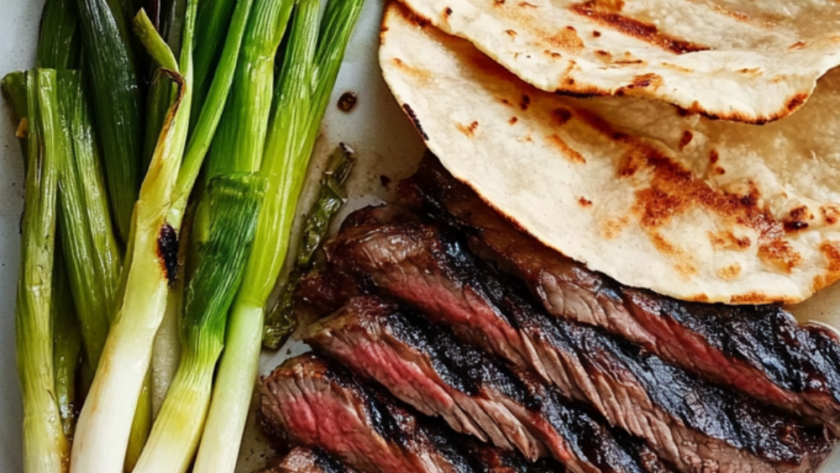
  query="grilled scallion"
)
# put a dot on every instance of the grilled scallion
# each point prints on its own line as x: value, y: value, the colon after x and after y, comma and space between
x: 281, y: 321
x: 309, y: 70
x: 93, y: 256
x: 104, y: 424
x: 45, y: 446
x: 116, y: 93
x: 233, y: 202
x: 67, y: 345
x: 59, y: 45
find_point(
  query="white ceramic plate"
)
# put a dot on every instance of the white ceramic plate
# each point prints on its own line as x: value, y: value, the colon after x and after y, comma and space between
x: 384, y: 140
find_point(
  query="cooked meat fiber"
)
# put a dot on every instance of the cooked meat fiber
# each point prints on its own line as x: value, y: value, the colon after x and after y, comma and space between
x: 427, y: 368
x: 493, y: 460
x: 304, y: 460
x: 400, y: 261
x: 689, y: 422
x: 760, y: 350
x: 319, y: 404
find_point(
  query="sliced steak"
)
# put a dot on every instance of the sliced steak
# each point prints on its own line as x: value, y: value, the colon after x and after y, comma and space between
x: 305, y: 460
x: 425, y: 366
x: 493, y: 460
x: 318, y: 404
x: 410, y: 270
x: 760, y: 350
x: 689, y: 422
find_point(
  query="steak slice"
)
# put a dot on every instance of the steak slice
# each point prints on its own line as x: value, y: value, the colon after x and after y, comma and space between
x: 760, y: 350
x: 305, y: 460
x: 318, y: 404
x: 689, y: 422
x: 426, y: 367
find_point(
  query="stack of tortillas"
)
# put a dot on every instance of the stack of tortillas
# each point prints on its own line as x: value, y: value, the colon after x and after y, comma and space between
x: 695, y: 153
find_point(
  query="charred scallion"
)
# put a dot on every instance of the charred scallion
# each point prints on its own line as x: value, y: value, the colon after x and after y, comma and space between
x: 281, y: 320
x: 233, y: 204
x: 310, y: 66
x: 105, y: 421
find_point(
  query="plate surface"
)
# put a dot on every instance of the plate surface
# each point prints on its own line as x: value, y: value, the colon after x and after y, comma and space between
x: 386, y: 144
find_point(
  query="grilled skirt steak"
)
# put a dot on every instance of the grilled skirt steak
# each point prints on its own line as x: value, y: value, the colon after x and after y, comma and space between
x: 693, y: 424
x: 304, y: 460
x: 426, y: 367
x: 760, y: 350
x: 318, y: 404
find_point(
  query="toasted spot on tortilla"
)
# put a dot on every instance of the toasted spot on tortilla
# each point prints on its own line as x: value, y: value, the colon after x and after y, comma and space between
x: 513, y: 120
x: 684, y: 262
x: 677, y: 68
x: 565, y: 149
x: 644, y: 81
x: 779, y: 254
x: 831, y: 251
x: 638, y: 29
x: 730, y: 272
x: 726, y: 240
x: 830, y: 213
x: 796, y: 101
x: 685, y: 139
x: 584, y: 202
x: 614, y: 5
x: 561, y: 115
x: 413, y: 17
x: 611, y: 228
x: 798, y: 219
x: 468, y: 130
x: 565, y: 39
x: 740, y: 16
x: 420, y: 73
x: 749, y: 298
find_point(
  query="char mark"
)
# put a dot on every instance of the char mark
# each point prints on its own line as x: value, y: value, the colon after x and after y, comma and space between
x: 167, y: 248
x: 375, y: 433
x: 429, y: 267
x: 419, y: 363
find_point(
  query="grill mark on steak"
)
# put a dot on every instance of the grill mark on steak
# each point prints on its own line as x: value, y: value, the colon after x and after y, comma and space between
x: 425, y: 366
x: 299, y: 401
x: 760, y: 350
x: 688, y: 421
x: 412, y: 270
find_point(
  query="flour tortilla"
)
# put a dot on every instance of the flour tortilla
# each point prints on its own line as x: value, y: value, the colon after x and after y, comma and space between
x: 743, y: 60
x: 640, y: 190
